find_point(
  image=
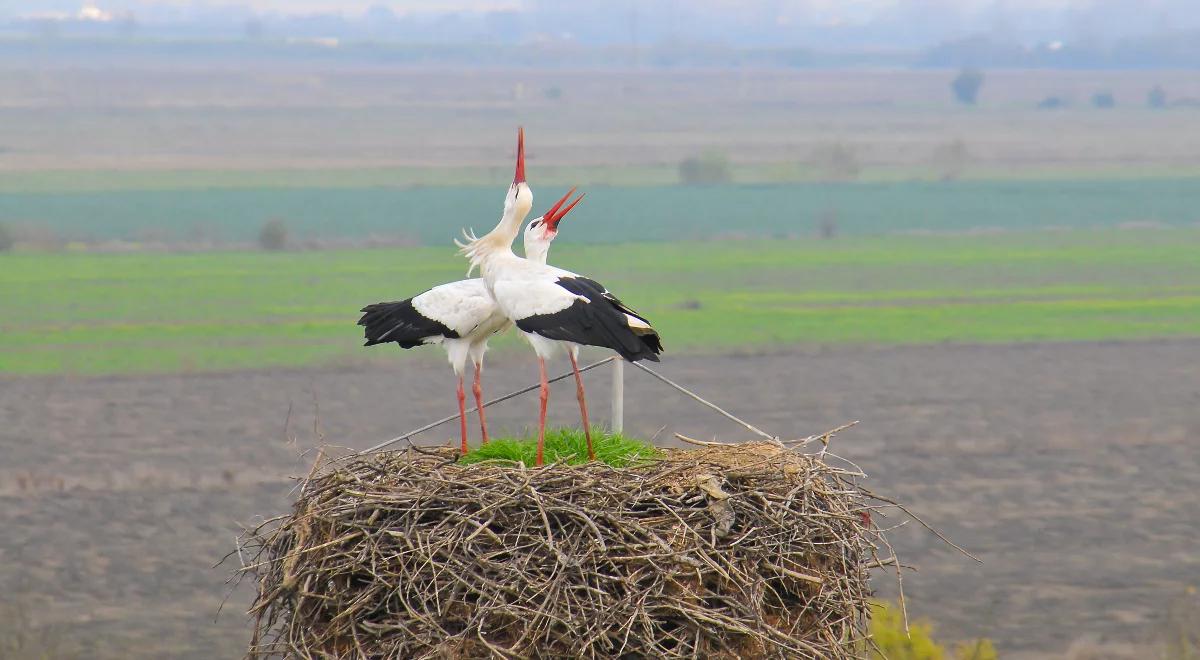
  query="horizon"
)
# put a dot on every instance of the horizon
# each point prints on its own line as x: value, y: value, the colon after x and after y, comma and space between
x: 902, y: 24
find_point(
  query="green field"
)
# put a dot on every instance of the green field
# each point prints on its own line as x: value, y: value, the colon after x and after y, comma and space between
x: 88, y: 313
x: 430, y: 215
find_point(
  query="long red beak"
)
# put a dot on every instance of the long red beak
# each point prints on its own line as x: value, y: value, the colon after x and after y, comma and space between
x: 520, y: 176
x: 557, y: 212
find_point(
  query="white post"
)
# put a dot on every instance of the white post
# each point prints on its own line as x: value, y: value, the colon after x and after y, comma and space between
x: 618, y: 396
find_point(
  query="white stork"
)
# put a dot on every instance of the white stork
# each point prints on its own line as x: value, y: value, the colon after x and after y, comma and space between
x: 556, y: 308
x: 461, y: 316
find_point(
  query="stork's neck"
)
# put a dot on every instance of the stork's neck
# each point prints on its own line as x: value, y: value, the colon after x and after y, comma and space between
x: 517, y: 204
x: 498, y: 242
x: 494, y: 258
x: 537, y: 251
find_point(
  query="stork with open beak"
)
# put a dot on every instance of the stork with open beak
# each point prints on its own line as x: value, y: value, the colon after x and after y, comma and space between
x: 555, y: 308
x: 462, y: 316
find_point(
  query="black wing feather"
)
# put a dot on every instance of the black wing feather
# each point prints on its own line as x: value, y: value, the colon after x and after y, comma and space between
x: 400, y: 322
x: 600, y: 321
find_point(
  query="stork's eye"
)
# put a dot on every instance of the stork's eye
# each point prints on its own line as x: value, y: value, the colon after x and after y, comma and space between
x: 535, y: 223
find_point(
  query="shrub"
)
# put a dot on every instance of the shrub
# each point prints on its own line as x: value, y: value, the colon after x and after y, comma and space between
x: 893, y: 643
x: 708, y: 168
x: 827, y: 224
x: 1051, y: 103
x: 966, y: 86
x: 979, y: 649
x: 273, y: 235
x: 887, y: 630
x: 7, y: 238
x: 1157, y: 97
x: 1180, y: 632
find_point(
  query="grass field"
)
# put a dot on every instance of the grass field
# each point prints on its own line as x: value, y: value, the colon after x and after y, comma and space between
x: 86, y: 313
x: 429, y: 215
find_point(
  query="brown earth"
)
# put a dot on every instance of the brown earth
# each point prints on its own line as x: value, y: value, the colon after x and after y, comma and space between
x: 1070, y: 469
x: 261, y: 116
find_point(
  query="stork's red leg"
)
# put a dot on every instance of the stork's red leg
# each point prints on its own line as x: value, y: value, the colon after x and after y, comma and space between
x: 477, y: 388
x: 462, y: 413
x: 543, y: 397
x: 587, y: 428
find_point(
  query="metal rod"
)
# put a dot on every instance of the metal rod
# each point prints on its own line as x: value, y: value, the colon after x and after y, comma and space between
x: 453, y: 417
x: 618, y: 396
x: 697, y: 397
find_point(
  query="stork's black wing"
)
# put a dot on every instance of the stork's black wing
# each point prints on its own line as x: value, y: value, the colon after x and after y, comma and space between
x: 400, y: 322
x: 597, y: 318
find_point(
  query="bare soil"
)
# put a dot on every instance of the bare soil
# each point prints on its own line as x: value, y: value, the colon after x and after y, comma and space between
x: 134, y: 118
x: 1072, y: 470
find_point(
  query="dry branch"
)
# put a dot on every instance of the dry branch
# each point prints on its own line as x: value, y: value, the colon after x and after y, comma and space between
x: 741, y: 551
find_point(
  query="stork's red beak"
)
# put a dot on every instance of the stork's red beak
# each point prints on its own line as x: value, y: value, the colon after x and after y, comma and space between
x: 520, y: 176
x: 556, y: 213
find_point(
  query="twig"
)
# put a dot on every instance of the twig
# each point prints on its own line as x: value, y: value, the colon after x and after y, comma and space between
x: 927, y: 526
x: 701, y: 443
x: 823, y: 437
x: 750, y: 427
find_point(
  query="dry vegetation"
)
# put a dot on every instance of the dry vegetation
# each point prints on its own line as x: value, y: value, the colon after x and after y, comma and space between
x: 745, y: 551
x: 357, y: 118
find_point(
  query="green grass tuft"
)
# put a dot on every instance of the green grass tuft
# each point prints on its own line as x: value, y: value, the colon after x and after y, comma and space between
x: 566, y: 445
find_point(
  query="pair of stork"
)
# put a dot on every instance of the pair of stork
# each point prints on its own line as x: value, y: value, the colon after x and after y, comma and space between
x: 553, y: 308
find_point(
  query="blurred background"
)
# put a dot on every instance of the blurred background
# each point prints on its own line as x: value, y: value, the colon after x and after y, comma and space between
x: 972, y: 225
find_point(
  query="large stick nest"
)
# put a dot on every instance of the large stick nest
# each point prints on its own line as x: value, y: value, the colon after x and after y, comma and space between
x: 740, y: 551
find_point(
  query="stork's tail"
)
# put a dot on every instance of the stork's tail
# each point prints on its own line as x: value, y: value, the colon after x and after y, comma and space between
x: 397, y: 322
x: 651, y: 343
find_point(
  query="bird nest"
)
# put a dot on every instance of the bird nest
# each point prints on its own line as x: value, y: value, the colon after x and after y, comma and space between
x: 737, y: 551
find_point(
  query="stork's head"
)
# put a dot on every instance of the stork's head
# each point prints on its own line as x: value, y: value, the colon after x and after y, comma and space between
x: 517, y: 204
x: 540, y: 231
x: 519, y: 201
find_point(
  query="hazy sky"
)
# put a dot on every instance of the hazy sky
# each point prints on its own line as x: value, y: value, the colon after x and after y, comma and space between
x: 403, y: 6
x: 815, y: 23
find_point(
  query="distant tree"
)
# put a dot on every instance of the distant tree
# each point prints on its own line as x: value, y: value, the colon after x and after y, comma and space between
x: 273, y: 235
x: 7, y: 238
x: 553, y: 92
x: 827, y: 224
x: 706, y: 169
x: 1051, y: 103
x: 1103, y: 100
x: 1157, y: 97
x: 966, y: 86
x: 837, y: 161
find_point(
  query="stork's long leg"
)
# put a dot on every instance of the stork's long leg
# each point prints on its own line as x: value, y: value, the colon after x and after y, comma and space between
x: 587, y: 428
x: 477, y: 388
x: 543, y: 397
x: 462, y: 413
